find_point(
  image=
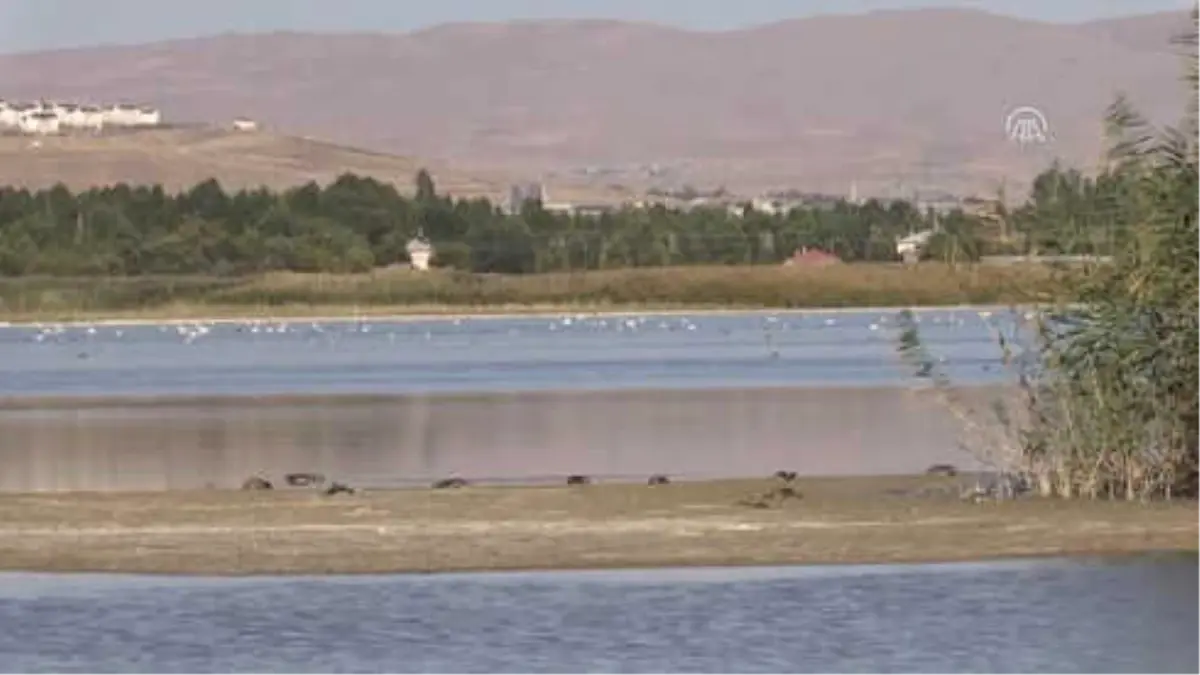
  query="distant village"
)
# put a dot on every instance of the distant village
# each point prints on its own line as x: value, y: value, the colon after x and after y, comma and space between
x: 908, y: 248
x: 45, y: 118
x: 769, y: 203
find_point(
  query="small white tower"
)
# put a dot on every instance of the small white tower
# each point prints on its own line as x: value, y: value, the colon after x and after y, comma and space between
x: 419, y: 252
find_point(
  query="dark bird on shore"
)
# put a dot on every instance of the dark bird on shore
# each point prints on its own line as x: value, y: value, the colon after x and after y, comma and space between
x: 788, y: 476
x: 787, y: 492
x: 658, y: 479
x: 338, y: 488
x: 578, y: 480
x: 446, y: 483
x: 304, y: 479
x: 947, y: 470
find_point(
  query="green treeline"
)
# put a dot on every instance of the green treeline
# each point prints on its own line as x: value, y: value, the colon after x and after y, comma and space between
x: 356, y: 224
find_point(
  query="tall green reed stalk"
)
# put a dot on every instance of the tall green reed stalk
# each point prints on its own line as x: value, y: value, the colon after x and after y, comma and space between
x: 1107, y: 403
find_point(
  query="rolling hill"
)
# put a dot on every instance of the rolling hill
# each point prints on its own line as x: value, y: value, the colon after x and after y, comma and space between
x: 178, y: 158
x: 891, y: 100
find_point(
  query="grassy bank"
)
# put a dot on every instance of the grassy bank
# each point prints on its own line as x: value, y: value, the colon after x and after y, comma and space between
x: 406, y: 292
x: 859, y: 520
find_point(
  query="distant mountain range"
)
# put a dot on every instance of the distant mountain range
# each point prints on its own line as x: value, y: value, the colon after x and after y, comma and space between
x: 891, y: 101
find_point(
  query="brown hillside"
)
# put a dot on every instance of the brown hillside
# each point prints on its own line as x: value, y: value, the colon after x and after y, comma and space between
x: 180, y: 158
x: 894, y: 100
x: 1150, y: 32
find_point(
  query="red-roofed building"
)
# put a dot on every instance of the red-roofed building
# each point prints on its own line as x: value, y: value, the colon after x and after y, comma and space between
x: 812, y: 257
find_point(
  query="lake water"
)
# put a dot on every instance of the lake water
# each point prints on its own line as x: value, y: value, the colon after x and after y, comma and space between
x: 524, y: 436
x: 1086, y: 616
x: 491, y: 399
x: 754, y: 349
x: 530, y: 399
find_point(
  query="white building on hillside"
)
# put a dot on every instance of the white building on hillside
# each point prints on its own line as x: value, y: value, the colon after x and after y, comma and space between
x: 75, y: 116
x: 12, y: 113
x: 148, y: 117
x: 244, y: 124
x: 9, y: 117
x: 40, y: 123
x: 129, y: 115
x: 36, y: 118
x: 89, y: 117
x: 69, y: 114
x: 120, y: 115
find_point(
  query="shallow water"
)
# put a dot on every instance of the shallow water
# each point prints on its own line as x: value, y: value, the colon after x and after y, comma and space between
x: 526, y: 437
x: 1093, y: 615
x: 755, y: 349
x: 701, y: 396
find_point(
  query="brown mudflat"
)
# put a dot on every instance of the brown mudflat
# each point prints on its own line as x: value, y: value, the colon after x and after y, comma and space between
x: 600, y: 525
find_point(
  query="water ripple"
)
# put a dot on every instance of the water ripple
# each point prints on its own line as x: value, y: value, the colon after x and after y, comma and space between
x: 1119, y: 615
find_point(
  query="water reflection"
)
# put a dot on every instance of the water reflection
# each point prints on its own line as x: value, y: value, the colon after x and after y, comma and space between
x: 1103, y: 615
x: 390, y: 441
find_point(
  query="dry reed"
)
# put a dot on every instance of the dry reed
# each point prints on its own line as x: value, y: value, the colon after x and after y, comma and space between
x: 858, y: 285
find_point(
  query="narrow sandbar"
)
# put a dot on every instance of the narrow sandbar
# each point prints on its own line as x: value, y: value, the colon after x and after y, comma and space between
x: 836, y: 520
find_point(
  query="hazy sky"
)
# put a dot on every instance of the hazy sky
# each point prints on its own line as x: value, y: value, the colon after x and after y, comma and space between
x: 44, y: 24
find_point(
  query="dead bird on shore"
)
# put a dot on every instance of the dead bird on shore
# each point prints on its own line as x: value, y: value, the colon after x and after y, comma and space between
x: 658, y: 479
x: 336, y: 488
x: 304, y: 479
x: 947, y: 470
x: 450, y: 483
x: 257, y: 483
x: 578, y: 479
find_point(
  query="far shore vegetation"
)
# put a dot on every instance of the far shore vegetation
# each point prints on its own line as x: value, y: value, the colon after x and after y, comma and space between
x: 137, y: 249
x: 356, y: 224
x: 407, y: 292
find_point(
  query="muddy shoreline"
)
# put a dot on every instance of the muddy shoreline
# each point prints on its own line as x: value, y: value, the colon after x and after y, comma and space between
x: 832, y: 520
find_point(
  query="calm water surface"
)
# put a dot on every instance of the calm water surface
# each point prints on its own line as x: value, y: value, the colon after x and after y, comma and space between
x: 478, y: 355
x: 698, y: 396
x: 1115, y: 615
x: 523, y: 436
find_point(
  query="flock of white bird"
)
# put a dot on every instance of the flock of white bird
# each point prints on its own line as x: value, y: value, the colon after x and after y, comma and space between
x: 191, y: 331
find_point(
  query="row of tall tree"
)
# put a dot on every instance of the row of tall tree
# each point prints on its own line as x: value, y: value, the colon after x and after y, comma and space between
x: 356, y: 223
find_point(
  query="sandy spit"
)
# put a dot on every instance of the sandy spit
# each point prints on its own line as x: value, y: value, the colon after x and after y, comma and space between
x: 834, y: 520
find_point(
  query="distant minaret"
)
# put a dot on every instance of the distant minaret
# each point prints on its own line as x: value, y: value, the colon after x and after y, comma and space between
x: 853, y: 192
